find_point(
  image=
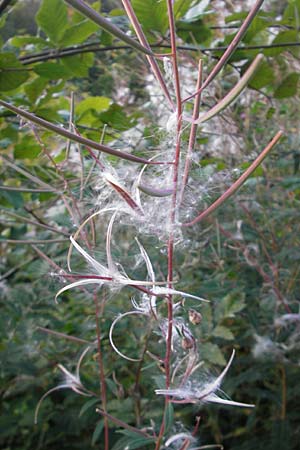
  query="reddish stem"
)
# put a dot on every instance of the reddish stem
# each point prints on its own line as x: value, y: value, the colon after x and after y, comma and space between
x: 193, y: 132
x: 168, y: 354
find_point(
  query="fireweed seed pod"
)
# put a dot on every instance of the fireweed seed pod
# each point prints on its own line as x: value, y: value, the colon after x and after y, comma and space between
x: 187, y: 343
x: 194, y: 317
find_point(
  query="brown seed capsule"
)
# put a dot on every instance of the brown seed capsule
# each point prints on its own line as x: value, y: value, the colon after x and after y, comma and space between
x: 187, y: 343
x: 194, y: 317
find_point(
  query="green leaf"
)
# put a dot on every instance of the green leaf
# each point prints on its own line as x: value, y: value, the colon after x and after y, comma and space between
x: 28, y: 148
x: 291, y: 13
x: 88, y: 405
x: 97, y: 431
x: 193, y: 31
x: 152, y: 15
x: 211, y: 353
x: 196, y: 11
x: 97, y: 104
x: 169, y: 417
x: 34, y: 88
x: 223, y: 332
x: 51, y: 71
x: 288, y: 87
x: 263, y: 76
x: 78, y: 65
x: 22, y: 41
x: 132, y: 443
x: 12, y: 72
x: 52, y: 19
x: 78, y: 33
x: 14, y: 199
x: 233, y: 303
x: 282, y: 38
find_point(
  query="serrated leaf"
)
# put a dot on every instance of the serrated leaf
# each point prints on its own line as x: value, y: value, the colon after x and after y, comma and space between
x: 211, y: 353
x: 52, y: 19
x: 223, y: 332
x: 152, y: 15
x: 230, y: 305
x: 12, y: 72
x: 78, y: 33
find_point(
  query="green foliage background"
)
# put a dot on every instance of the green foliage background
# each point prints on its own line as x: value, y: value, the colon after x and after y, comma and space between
x: 245, y: 258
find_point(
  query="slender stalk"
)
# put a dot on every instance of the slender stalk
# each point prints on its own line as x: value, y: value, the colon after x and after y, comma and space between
x: 64, y: 336
x: 122, y: 424
x: 96, y: 48
x: 144, y: 42
x: 237, y: 184
x: 87, y: 11
x: 101, y: 371
x: 65, y: 133
x: 33, y: 241
x: 23, y: 189
x: 193, y: 132
x: 37, y: 224
x: 168, y: 355
x: 283, y: 392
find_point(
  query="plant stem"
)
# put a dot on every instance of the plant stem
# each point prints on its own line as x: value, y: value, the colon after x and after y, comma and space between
x: 101, y: 370
x: 96, y: 48
x: 193, y: 132
x: 168, y: 354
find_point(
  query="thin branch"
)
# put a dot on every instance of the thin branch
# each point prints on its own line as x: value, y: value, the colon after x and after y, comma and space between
x: 37, y: 224
x: 74, y: 137
x: 143, y: 40
x: 87, y: 11
x: 64, y: 336
x: 23, y: 189
x: 193, y: 132
x: 32, y: 241
x: 96, y: 48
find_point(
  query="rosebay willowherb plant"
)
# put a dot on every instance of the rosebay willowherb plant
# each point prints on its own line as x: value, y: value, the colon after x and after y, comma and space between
x: 146, y: 204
